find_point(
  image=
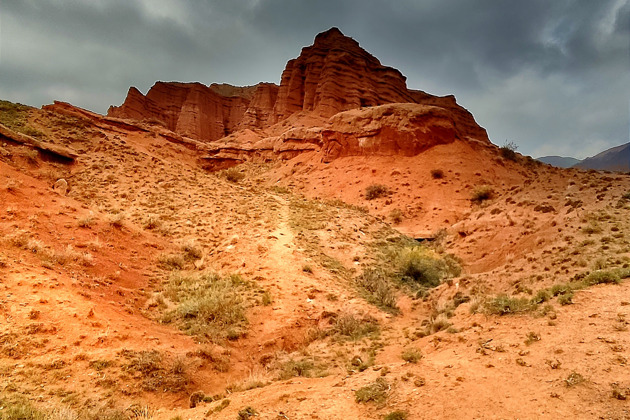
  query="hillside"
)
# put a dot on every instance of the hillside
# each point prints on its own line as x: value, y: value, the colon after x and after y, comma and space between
x: 318, y: 259
x: 614, y: 159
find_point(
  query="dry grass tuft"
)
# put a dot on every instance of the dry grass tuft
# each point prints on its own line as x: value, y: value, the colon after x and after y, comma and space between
x: 375, y: 191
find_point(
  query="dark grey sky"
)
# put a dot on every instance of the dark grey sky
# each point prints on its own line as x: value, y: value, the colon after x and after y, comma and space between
x: 550, y: 75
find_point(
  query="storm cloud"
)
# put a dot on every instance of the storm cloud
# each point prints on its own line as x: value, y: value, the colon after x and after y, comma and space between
x: 551, y: 76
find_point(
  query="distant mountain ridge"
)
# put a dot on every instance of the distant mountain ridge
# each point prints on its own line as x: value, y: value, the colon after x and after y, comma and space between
x: 559, y: 161
x: 614, y: 159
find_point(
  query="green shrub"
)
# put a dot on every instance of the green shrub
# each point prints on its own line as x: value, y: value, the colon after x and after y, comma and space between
x: 411, y: 355
x: 246, y: 413
x: 13, y: 115
x: 573, y: 379
x: 396, y: 415
x: 354, y: 327
x: 566, y: 298
x: 506, y: 305
x: 375, y: 392
x: 293, y: 368
x: 437, y: 173
x: 421, y: 267
x: 563, y: 288
x: 207, y: 305
x: 376, y: 191
x: 234, y: 175
x: 20, y: 410
x: 602, y: 276
x: 481, y: 194
x: 541, y: 296
x: 508, y: 151
x: 396, y: 216
x: 171, y: 261
x: 377, y: 289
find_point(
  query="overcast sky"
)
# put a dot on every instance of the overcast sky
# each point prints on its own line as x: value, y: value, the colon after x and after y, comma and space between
x: 551, y: 76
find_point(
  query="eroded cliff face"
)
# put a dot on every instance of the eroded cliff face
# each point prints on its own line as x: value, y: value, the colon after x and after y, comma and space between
x: 335, y: 74
x: 400, y: 129
x: 331, y: 99
x: 190, y: 109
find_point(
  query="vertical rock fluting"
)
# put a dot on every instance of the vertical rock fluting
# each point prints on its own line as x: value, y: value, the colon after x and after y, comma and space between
x: 191, y: 109
x: 333, y: 75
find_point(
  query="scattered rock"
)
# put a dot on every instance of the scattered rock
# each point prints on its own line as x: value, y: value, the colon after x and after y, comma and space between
x: 61, y: 186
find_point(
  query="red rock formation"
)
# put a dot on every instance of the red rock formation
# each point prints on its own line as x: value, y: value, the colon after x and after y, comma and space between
x: 335, y: 74
x: 401, y: 129
x: 260, y: 108
x: 329, y: 100
x: 191, y: 109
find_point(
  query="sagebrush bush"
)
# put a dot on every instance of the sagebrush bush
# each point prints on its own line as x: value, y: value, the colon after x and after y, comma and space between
x: 21, y: 410
x: 396, y: 216
x: 541, y: 296
x: 246, y: 413
x: 354, y: 327
x: 152, y: 222
x: 437, y: 173
x: 573, y: 379
x: 421, y: 267
x: 411, y: 355
x: 156, y: 373
x: 375, y: 392
x: 192, y: 251
x: 207, y: 305
x: 566, y: 298
x: 234, y: 175
x: 506, y: 305
x: 376, y: 191
x: 117, y: 220
x: 377, y: 289
x: 171, y: 261
x: 508, y: 151
x: 86, y: 221
x: 292, y: 368
x: 438, y: 323
x: 482, y: 193
x: 602, y: 276
x: 396, y: 415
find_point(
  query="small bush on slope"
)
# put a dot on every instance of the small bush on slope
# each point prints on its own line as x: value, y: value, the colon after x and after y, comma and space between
x: 207, y: 305
x: 376, y: 191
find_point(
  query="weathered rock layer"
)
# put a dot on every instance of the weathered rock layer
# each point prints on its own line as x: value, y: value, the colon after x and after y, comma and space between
x: 331, y: 99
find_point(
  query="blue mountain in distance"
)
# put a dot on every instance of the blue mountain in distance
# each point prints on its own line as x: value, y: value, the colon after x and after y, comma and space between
x: 559, y: 161
x: 613, y: 159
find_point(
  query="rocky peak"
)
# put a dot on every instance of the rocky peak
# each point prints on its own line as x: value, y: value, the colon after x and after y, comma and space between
x: 331, y: 76
x: 334, y: 38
